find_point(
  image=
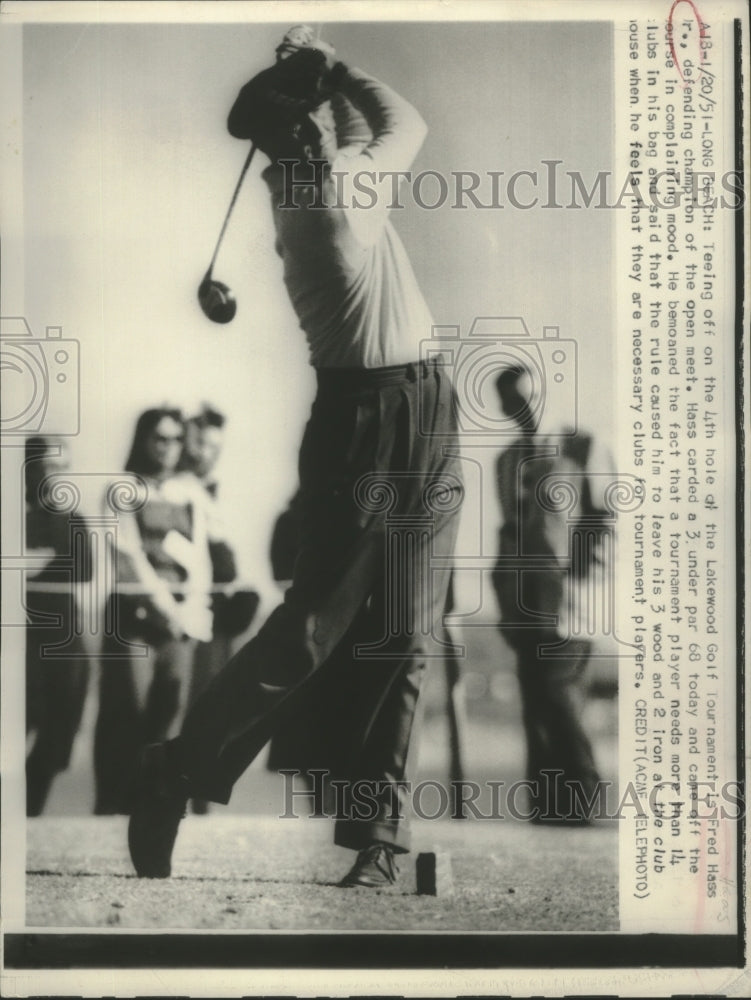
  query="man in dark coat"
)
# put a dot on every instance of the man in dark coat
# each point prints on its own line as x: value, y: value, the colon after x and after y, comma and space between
x: 543, y: 596
x: 57, y: 659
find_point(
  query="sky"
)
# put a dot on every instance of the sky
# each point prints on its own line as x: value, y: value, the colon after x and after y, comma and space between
x: 128, y: 171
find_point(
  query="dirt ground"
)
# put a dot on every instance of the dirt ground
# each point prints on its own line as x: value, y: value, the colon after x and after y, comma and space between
x: 247, y: 872
x: 241, y: 867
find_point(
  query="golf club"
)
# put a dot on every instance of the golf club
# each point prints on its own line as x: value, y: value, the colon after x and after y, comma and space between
x: 215, y: 298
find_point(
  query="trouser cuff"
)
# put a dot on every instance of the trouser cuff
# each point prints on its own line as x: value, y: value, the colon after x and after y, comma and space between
x: 200, y: 784
x: 357, y: 834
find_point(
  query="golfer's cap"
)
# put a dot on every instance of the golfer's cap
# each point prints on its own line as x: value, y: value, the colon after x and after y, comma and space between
x: 300, y: 37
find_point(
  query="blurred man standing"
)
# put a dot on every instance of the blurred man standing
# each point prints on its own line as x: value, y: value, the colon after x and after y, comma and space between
x: 57, y: 659
x: 546, y: 606
x: 380, y: 444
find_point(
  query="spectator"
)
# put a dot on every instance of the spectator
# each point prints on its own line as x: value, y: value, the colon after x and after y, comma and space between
x: 57, y: 661
x: 541, y: 606
x: 161, y: 598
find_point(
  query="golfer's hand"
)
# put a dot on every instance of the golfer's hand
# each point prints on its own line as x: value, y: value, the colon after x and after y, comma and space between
x: 329, y: 52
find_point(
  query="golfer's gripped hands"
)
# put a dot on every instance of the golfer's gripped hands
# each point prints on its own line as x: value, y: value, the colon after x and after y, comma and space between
x: 304, y: 65
x: 304, y: 76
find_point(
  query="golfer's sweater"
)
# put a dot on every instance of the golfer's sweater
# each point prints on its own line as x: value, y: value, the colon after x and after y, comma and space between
x: 347, y: 273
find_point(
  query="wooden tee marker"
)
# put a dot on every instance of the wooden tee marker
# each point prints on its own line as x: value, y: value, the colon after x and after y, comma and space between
x: 433, y: 874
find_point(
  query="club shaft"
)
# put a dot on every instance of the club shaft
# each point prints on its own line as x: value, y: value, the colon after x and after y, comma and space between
x: 231, y: 206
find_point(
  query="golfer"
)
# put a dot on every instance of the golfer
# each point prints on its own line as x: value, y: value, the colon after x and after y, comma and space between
x: 379, y: 452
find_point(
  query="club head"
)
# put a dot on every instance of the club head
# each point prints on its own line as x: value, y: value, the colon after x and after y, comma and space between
x: 216, y: 300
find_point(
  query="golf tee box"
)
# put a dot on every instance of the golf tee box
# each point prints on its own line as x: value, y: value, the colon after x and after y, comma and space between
x: 433, y: 874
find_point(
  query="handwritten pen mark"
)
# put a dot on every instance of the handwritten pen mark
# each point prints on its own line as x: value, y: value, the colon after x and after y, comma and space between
x: 671, y: 41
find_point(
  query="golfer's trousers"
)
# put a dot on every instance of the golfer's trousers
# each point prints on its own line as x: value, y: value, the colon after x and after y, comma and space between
x: 380, y: 496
